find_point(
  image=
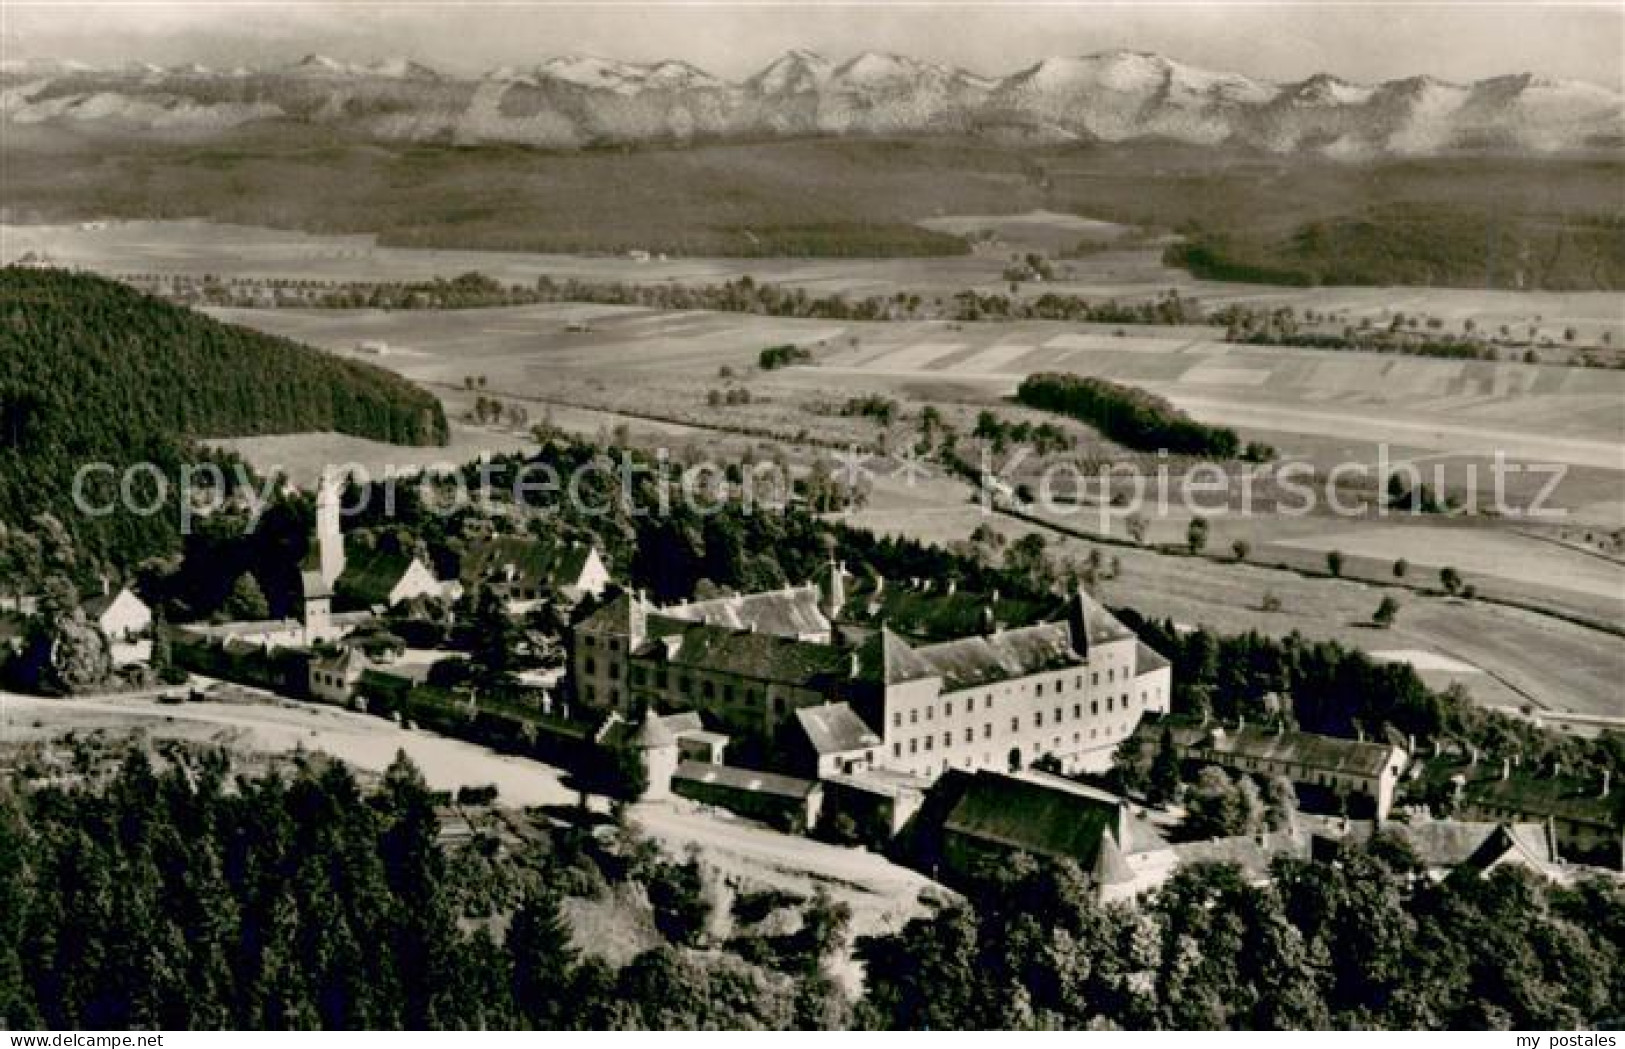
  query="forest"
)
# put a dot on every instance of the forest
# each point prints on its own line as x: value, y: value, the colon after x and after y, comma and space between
x: 1410, y: 244
x: 1130, y: 416
x: 174, y: 893
x: 94, y: 372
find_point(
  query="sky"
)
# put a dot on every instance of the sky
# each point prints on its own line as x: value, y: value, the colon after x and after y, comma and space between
x: 1459, y: 40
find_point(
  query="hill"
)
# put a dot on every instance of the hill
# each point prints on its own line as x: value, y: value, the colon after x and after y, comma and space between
x: 94, y: 372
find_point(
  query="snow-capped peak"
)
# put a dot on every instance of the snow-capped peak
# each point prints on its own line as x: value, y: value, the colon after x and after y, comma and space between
x: 592, y: 71
x: 791, y: 73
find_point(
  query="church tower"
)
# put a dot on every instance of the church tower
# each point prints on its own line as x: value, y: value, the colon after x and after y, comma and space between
x: 834, y: 590
x: 329, y: 537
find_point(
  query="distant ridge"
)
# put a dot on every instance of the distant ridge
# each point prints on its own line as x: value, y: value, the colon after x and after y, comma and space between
x: 575, y: 100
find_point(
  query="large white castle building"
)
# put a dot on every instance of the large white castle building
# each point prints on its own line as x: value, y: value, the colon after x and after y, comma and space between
x: 1071, y: 688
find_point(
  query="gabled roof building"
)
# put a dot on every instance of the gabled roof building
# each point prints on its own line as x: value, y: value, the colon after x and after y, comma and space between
x: 1072, y: 687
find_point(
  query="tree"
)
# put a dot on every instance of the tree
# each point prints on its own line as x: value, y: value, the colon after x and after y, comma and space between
x: 1281, y: 803
x: 543, y: 959
x: 1196, y: 534
x: 1213, y: 806
x: 1450, y: 579
x: 1241, y: 548
x: 246, y: 600
x: 1162, y: 784
x: 1334, y: 562
x: 495, y: 638
x: 1387, y: 610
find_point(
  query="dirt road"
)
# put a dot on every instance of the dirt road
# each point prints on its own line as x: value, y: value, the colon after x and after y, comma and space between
x: 279, y: 726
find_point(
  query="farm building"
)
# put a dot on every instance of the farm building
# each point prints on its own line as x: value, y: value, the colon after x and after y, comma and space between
x: 526, y: 570
x: 1365, y: 773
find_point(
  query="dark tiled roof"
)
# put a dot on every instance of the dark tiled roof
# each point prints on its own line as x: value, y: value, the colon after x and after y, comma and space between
x: 343, y: 661
x: 1321, y: 753
x: 888, y: 659
x: 972, y: 661
x: 833, y: 728
x: 1033, y: 817
x: 1252, y: 853
x: 1147, y: 659
x: 751, y: 780
x: 762, y: 657
x: 938, y: 616
x: 793, y: 612
x: 612, y: 617
x: 535, y: 562
x: 1091, y: 624
x: 1561, y: 797
x: 1451, y: 843
x: 370, y: 575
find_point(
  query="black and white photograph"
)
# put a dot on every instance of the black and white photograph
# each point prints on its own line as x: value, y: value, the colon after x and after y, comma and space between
x: 846, y: 515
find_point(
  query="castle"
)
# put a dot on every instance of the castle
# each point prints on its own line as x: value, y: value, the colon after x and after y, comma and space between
x: 1071, y: 688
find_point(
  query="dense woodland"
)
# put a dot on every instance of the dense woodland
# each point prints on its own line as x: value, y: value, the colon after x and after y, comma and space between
x: 94, y: 372
x: 1414, y: 245
x: 1361, y: 943
x: 1128, y: 415
x: 192, y: 898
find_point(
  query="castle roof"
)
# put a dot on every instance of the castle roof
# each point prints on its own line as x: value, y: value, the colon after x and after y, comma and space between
x: 979, y: 660
x: 890, y: 660
x: 1560, y: 797
x: 1029, y: 816
x: 1312, y: 751
x: 760, y: 656
x: 834, y: 728
x: 751, y: 780
x: 792, y: 612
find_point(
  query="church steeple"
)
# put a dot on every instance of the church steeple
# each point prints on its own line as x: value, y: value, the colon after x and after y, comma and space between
x: 329, y: 536
x: 834, y: 589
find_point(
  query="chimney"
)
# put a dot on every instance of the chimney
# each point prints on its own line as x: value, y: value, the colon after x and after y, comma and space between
x: 1241, y: 722
x: 953, y: 584
x: 1607, y: 780
x: 1410, y: 743
x: 994, y: 596
x: 853, y: 668
x: 1506, y: 768
x: 1472, y: 751
x: 987, y: 619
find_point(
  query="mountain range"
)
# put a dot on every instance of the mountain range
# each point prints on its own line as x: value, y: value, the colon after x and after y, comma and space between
x: 572, y: 101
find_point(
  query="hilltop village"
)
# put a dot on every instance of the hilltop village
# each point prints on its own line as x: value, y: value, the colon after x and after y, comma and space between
x: 905, y: 715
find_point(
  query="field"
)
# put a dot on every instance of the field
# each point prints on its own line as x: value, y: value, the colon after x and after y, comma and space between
x: 1321, y: 409
x: 591, y: 368
x: 1126, y: 274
